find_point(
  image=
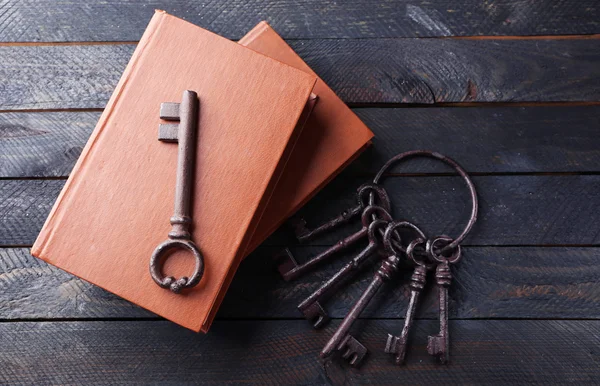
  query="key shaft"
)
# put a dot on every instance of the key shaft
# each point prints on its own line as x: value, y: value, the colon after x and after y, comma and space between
x: 186, y: 157
x: 342, y: 335
x: 323, y: 256
x: 311, y: 307
x: 363, y: 195
x: 290, y: 269
x: 439, y: 345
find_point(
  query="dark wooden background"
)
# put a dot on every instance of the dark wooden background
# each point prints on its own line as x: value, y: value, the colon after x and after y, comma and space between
x: 509, y: 88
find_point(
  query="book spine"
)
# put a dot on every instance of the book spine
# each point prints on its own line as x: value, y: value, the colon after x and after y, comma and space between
x: 79, y: 170
x: 254, y: 33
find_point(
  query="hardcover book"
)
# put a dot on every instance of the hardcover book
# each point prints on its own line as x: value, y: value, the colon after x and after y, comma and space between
x: 114, y: 210
x: 332, y: 138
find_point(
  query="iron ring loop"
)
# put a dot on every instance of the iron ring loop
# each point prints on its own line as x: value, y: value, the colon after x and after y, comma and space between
x: 391, y: 230
x: 372, y: 210
x: 169, y: 282
x: 373, y: 189
x: 410, y: 252
x: 457, y: 168
x: 374, y: 226
x: 438, y: 257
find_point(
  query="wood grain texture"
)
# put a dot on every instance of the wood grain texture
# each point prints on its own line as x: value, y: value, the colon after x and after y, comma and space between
x: 286, y: 352
x: 383, y: 71
x: 114, y: 20
x: 490, y: 282
x: 514, y: 210
x: 43, y: 144
x: 517, y: 139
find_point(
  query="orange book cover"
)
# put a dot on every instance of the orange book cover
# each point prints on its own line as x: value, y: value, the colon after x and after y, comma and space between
x: 332, y: 137
x: 115, y: 207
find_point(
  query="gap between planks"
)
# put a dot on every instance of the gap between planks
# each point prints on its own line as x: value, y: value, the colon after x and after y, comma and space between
x: 368, y: 105
x: 472, y: 37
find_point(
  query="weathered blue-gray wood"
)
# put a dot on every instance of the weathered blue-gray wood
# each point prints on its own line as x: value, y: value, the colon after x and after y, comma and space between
x: 422, y: 71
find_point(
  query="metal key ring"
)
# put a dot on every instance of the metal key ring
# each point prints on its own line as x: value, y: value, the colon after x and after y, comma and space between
x: 372, y: 210
x: 459, y: 170
x: 169, y: 282
x: 397, y: 248
x: 374, y: 226
x: 438, y: 257
x: 410, y: 252
x: 371, y: 190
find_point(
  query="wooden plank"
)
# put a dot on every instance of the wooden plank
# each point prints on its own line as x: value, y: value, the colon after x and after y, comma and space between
x: 286, y: 352
x: 43, y: 144
x: 114, y: 20
x: 383, y: 71
x: 490, y: 282
x: 514, y: 210
x: 518, y: 139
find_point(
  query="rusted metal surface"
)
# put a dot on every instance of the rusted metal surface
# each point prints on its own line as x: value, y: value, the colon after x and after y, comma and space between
x: 184, y: 134
x: 397, y: 344
x: 375, y: 193
x: 439, y: 345
x: 424, y: 253
x: 311, y: 307
x: 432, y: 154
x: 290, y: 269
x: 342, y: 340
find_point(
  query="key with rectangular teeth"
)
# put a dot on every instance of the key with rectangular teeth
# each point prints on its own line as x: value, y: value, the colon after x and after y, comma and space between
x: 184, y: 134
x: 342, y: 340
x: 397, y: 344
x: 439, y: 345
x: 303, y: 234
x: 311, y: 307
x: 290, y: 269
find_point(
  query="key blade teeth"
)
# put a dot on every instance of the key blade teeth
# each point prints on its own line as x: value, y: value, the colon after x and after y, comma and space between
x: 300, y: 230
x: 168, y: 132
x: 391, y: 346
x: 169, y: 111
x: 354, y: 350
x: 436, y: 346
x: 287, y: 263
x: 316, y: 314
x: 396, y: 346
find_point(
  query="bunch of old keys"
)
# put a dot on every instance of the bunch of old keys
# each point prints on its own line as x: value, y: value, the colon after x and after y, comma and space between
x: 386, y: 247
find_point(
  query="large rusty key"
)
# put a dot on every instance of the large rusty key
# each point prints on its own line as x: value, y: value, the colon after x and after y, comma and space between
x: 342, y: 340
x: 183, y: 133
x: 290, y: 269
x: 439, y: 345
x: 364, y: 194
x: 311, y: 307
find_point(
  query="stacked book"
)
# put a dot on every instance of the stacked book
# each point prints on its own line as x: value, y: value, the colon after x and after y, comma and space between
x: 270, y: 134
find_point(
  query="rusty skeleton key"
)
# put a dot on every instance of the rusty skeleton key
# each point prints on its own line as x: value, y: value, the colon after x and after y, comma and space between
x: 183, y: 133
x: 439, y: 345
x: 311, y: 307
x: 397, y: 344
x: 366, y: 193
x: 342, y: 340
x: 290, y: 269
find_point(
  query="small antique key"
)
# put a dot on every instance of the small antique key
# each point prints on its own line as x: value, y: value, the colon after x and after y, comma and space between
x: 365, y: 193
x: 290, y: 269
x: 397, y: 344
x: 184, y: 134
x: 439, y: 345
x: 342, y: 340
x: 311, y: 307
